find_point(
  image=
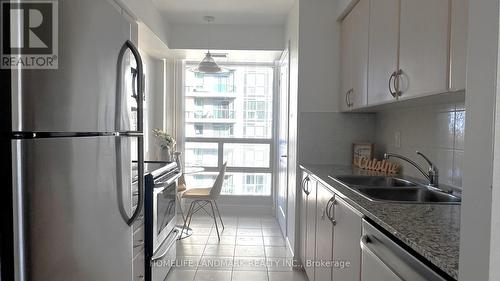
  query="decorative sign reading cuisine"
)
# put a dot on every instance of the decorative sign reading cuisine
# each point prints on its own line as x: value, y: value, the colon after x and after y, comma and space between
x: 383, y: 166
x: 362, y: 157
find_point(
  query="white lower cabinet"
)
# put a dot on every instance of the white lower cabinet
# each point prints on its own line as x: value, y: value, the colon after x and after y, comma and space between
x: 330, y: 232
x: 311, y: 186
x: 346, y: 249
x: 324, y: 234
x: 303, y: 219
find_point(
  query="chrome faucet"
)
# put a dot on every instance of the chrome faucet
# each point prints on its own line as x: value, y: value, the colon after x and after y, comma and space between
x: 432, y: 175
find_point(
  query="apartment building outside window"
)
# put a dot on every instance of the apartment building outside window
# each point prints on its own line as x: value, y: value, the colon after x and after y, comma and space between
x: 229, y: 118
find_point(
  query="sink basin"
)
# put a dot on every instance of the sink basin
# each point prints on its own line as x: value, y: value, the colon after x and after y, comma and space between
x: 391, y: 189
x: 416, y: 195
x: 375, y: 181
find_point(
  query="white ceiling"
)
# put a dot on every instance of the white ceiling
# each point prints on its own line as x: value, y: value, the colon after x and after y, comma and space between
x: 247, y: 12
x: 153, y: 46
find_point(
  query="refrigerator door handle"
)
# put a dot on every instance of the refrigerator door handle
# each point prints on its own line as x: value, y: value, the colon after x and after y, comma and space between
x: 121, y: 165
x: 140, y: 181
x: 138, y: 96
x: 138, y: 93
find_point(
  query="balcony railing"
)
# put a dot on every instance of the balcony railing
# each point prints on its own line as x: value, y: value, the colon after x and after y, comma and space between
x: 211, y: 115
x: 226, y: 91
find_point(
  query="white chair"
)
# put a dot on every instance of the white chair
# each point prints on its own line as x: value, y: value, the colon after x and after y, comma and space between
x: 204, y: 196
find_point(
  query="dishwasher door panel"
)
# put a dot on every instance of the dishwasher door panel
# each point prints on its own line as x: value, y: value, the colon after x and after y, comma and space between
x: 375, y: 270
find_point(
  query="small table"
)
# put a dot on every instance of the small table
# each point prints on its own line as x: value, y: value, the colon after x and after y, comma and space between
x: 188, y: 231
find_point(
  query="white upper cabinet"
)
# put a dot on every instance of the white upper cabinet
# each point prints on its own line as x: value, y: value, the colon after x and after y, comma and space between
x: 346, y: 62
x: 458, y: 50
x: 383, y: 51
x: 344, y: 6
x: 424, y: 47
x: 355, y: 56
x: 402, y: 49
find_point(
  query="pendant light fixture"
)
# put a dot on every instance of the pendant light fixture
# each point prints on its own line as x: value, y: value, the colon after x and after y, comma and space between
x: 208, y: 64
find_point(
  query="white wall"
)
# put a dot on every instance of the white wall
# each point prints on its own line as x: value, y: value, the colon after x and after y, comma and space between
x: 226, y: 37
x: 325, y: 135
x: 495, y: 212
x: 480, y: 103
x: 319, y: 56
x: 146, y: 12
x: 155, y: 103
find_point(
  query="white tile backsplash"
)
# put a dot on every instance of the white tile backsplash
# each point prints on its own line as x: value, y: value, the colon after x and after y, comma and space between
x: 327, y: 137
x: 437, y: 131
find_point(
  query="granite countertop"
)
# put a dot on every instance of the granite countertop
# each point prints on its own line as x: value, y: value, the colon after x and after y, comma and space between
x: 431, y: 230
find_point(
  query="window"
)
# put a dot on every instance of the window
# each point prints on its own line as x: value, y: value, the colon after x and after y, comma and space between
x: 222, y: 130
x: 256, y: 110
x: 233, y: 115
x: 198, y: 129
x: 201, y: 154
x: 198, y: 102
x: 247, y: 155
x: 209, y: 83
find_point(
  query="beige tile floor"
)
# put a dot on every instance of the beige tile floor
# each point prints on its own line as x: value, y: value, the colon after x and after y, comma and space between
x: 250, y: 249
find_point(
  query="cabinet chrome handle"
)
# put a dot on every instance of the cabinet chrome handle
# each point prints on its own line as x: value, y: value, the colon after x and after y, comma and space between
x: 397, y: 92
x: 330, y: 211
x: 393, y: 93
x: 351, y: 91
x: 348, y: 101
x: 306, y: 185
x: 306, y: 190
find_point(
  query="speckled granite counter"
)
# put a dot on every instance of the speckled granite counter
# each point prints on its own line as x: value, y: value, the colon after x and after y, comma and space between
x: 433, y: 231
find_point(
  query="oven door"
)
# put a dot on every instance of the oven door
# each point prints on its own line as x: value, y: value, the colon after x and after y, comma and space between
x: 164, y: 209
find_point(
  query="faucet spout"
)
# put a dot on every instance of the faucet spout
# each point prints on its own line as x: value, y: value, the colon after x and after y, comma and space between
x: 432, y: 175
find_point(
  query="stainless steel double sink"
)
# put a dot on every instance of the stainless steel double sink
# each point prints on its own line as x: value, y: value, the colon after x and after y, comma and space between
x: 393, y: 189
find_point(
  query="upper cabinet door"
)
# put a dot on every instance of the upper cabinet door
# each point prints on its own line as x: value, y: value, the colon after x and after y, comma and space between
x: 383, y: 50
x: 361, y: 16
x: 346, y: 62
x: 354, y: 58
x: 424, y: 47
x: 458, y: 50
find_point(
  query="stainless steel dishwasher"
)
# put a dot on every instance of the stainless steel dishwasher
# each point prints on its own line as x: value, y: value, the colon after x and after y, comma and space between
x: 383, y: 259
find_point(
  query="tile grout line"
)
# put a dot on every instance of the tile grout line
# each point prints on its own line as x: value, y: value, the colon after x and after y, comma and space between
x: 265, y: 251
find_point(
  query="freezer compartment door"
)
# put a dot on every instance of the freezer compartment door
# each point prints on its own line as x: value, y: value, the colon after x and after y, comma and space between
x: 73, y: 197
x: 92, y: 82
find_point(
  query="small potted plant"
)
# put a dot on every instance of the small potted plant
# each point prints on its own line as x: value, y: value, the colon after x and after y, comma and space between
x: 167, y: 143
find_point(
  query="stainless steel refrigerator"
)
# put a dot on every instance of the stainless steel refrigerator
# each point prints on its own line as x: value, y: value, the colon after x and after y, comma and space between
x: 74, y: 132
